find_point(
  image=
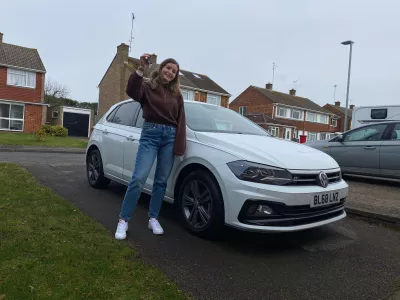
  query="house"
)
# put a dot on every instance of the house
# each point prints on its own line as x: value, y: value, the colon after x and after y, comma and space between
x: 304, y: 116
x: 340, y: 112
x: 276, y: 127
x: 194, y: 86
x: 78, y: 121
x: 22, y: 77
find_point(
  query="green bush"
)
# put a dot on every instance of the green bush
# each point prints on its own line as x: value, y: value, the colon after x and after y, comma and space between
x: 55, y: 130
x: 40, y: 135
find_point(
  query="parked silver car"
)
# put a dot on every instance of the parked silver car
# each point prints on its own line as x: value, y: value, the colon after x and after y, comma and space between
x: 372, y: 150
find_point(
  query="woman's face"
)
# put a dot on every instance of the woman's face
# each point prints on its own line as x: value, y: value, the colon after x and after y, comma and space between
x: 169, y: 71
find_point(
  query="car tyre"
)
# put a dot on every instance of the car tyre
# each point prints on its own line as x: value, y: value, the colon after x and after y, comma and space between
x: 94, y: 170
x: 200, y: 205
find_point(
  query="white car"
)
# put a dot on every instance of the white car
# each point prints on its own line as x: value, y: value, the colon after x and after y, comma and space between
x: 233, y: 173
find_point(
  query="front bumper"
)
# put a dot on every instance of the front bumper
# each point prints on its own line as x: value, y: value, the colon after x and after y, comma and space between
x: 291, y: 204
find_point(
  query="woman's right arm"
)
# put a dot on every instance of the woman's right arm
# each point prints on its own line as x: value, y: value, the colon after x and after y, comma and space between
x: 135, y: 88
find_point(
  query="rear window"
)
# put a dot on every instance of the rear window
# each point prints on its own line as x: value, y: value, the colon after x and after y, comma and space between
x: 379, y: 114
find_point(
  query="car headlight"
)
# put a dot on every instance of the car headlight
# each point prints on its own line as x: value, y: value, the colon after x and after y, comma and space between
x: 249, y: 171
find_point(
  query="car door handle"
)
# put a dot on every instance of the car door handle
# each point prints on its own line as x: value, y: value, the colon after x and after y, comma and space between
x: 369, y: 148
x: 105, y: 131
x: 130, y: 138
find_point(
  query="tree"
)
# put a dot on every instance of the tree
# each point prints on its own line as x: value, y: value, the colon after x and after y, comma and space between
x: 53, y: 91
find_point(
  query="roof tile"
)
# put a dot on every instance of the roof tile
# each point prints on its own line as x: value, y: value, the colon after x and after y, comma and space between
x: 20, y: 57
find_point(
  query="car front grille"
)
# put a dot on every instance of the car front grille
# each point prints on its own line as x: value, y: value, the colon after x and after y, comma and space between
x: 311, y: 179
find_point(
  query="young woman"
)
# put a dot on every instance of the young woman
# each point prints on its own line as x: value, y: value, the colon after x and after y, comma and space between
x: 163, y: 136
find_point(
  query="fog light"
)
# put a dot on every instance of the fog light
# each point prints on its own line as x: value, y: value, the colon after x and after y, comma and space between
x: 259, y: 210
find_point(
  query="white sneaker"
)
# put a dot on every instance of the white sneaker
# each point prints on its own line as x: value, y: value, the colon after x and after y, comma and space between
x: 155, y: 226
x: 122, y: 228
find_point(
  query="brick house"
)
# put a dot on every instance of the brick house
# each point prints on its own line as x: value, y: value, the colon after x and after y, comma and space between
x: 22, y: 77
x: 274, y: 126
x: 194, y: 86
x: 340, y: 112
x: 296, y: 115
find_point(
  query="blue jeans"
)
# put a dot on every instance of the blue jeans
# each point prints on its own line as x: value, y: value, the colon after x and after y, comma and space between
x: 155, y: 141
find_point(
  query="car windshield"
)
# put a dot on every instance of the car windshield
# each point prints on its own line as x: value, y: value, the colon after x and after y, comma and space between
x: 210, y: 118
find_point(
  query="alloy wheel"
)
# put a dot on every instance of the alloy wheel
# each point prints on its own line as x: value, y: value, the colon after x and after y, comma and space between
x: 93, y: 167
x: 197, y: 204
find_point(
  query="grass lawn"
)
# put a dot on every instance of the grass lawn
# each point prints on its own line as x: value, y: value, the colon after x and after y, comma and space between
x: 50, y: 250
x: 28, y: 139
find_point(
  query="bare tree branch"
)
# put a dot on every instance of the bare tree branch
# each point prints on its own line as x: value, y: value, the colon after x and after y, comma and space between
x: 54, y: 89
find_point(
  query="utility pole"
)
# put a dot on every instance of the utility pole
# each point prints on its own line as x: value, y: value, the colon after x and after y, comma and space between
x: 348, y: 82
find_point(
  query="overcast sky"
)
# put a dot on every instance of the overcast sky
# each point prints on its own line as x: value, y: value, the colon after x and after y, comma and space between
x: 232, y: 42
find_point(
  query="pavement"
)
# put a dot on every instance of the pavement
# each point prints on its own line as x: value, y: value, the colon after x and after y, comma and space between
x: 350, y: 259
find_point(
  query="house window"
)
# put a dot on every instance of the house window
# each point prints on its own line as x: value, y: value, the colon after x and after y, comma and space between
x: 11, y: 116
x: 281, y: 112
x: 196, y: 75
x: 55, y: 114
x: 187, y: 95
x: 311, y: 117
x: 296, y: 134
x: 242, y: 110
x: 296, y: 114
x: 334, y: 122
x: 323, y: 119
x: 273, y: 130
x: 323, y: 136
x: 214, y: 99
x: 21, y: 78
x: 312, y: 136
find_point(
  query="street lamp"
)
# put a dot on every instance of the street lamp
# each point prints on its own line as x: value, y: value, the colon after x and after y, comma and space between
x: 348, y: 82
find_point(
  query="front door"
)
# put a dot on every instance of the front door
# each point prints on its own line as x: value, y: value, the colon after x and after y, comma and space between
x: 358, y: 152
x: 288, y: 134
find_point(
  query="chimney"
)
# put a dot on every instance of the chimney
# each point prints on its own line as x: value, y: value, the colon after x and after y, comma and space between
x: 337, y: 103
x: 268, y: 86
x: 292, y: 92
x: 1, y: 37
x: 351, y: 106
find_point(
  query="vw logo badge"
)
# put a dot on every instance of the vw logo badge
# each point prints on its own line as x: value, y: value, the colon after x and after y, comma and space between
x: 323, y: 179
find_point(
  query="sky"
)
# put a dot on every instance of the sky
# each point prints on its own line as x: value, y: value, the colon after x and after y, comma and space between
x: 233, y: 42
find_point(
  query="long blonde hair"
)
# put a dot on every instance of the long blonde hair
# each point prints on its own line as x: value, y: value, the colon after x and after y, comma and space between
x: 173, y: 85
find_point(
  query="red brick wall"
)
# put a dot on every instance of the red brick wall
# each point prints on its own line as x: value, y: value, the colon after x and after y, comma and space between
x: 33, y: 117
x: 254, y: 101
x: 340, y: 127
x: 19, y: 93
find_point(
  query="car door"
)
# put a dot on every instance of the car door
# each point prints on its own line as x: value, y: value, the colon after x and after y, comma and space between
x: 131, y: 146
x: 389, y: 158
x: 115, y: 133
x: 358, y: 151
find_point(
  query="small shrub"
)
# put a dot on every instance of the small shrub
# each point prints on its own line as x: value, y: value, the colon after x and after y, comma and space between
x: 55, y: 130
x: 40, y: 135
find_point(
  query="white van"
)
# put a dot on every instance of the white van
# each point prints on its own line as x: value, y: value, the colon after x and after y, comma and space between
x: 373, y: 114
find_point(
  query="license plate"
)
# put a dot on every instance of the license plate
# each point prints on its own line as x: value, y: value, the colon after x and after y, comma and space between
x: 325, y: 199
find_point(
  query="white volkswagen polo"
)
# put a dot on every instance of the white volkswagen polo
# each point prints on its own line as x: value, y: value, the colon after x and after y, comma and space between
x: 233, y: 173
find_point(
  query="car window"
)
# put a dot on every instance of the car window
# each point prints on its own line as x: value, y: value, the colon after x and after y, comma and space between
x: 212, y: 118
x: 396, y: 133
x: 368, y: 133
x: 112, y: 114
x: 125, y: 114
x: 140, y: 120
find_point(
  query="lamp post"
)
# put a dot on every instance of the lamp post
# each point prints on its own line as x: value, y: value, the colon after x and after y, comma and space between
x: 348, y: 83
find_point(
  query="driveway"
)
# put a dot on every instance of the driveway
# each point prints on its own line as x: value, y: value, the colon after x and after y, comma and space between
x: 351, y: 259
